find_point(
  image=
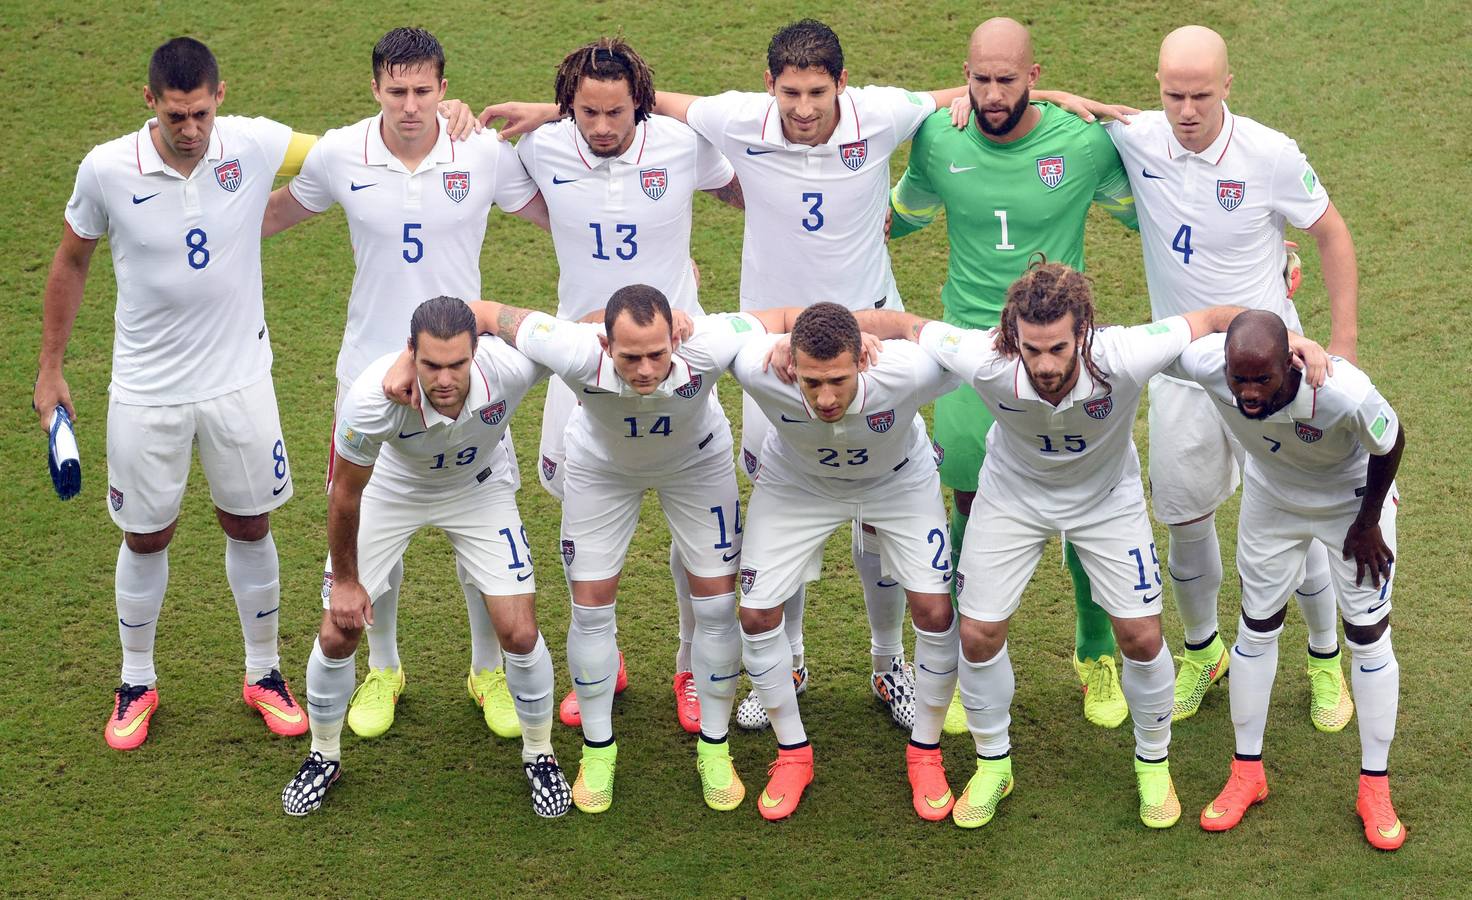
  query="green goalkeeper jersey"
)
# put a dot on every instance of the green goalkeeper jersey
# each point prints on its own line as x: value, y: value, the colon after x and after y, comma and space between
x: 1005, y: 202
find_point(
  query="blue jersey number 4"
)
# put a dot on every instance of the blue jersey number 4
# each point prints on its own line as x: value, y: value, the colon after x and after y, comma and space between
x: 1182, y: 244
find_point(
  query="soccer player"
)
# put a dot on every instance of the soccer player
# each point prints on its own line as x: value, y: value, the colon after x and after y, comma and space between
x: 1213, y: 192
x: 181, y: 202
x: 416, y: 204
x: 619, y: 184
x: 1061, y: 460
x: 444, y: 464
x: 1019, y: 180
x: 1320, y: 468
x: 847, y: 444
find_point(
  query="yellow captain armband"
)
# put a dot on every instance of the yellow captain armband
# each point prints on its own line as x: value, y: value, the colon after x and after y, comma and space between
x: 296, y: 154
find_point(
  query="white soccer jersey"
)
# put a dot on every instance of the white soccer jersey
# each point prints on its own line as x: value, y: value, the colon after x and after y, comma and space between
x: 880, y: 432
x: 616, y: 427
x: 415, y: 235
x: 190, y: 323
x: 1059, y: 460
x: 1312, y: 454
x: 1211, y: 223
x: 626, y: 219
x: 424, y: 454
x: 814, y: 215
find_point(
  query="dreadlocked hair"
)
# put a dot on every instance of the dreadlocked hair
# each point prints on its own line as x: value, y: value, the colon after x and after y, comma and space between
x: 606, y: 59
x: 1045, y: 293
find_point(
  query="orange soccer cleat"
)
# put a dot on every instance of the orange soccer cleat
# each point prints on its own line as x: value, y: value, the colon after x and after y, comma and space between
x: 133, y: 706
x: 1247, y: 784
x: 273, y: 700
x: 789, y: 776
x: 930, y: 792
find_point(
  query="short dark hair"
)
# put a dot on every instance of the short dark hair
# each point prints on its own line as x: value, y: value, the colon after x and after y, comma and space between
x: 405, y: 47
x: 641, y: 302
x: 606, y: 59
x: 805, y: 44
x: 1045, y: 293
x: 182, y: 64
x: 442, y: 318
x: 824, y: 330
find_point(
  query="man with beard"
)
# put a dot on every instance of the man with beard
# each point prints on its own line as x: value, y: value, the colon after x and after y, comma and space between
x: 1019, y: 183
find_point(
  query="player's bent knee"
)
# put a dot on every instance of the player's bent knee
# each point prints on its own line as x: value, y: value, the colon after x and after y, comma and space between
x: 931, y: 612
x: 1139, y: 639
x: 337, y: 643
x: 244, y: 528
x: 980, y: 641
x: 1366, y: 634
x: 760, y: 621
x: 153, y: 542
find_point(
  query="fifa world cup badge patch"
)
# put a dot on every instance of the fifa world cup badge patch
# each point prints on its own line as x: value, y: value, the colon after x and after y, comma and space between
x: 853, y: 155
x: 1307, y: 433
x: 881, y: 421
x: 569, y: 552
x: 228, y: 175
x: 748, y: 578
x: 690, y: 388
x: 457, y: 185
x: 1050, y: 170
x: 654, y: 182
x: 1100, y: 408
x: 115, y: 497
x: 1230, y: 193
x: 493, y: 414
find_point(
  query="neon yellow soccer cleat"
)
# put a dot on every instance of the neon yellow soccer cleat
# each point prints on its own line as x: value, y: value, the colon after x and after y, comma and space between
x: 719, y: 782
x: 1104, y: 702
x: 955, y: 716
x: 371, y: 711
x: 1330, y: 707
x: 593, y: 790
x: 488, y: 689
x: 1196, y: 671
x: 984, y: 792
x: 1159, y: 806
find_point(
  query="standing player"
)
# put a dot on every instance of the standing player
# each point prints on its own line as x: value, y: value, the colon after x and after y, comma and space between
x: 1214, y: 191
x: 1321, y: 466
x: 619, y: 184
x: 181, y: 202
x: 444, y: 464
x: 416, y: 205
x: 1060, y: 460
x: 1020, y: 181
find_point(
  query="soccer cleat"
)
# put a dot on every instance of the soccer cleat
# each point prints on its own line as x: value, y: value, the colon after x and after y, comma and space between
x: 896, y: 690
x: 719, y: 783
x: 1159, y: 806
x: 305, y: 793
x: 928, y: 788
x: 1382, y: 826
x: 371, y: 711
x: 551, y: 797
x: 788, y: 776
x: 752, y: 716
x: 687, y: 702
x: 569, y: 713
x: 1104, y: 702
x: 488, y: 689
x: 1329, y: 707
x: 133, y: 705
x: 1196, y: 671
x: 593, y: 790
x: 1247, y: 785
x: 271, y: 697
x: 984, y: 792
x: 955, y: 716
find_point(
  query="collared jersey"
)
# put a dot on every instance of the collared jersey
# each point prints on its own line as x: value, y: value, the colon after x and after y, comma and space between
x: 190, y: 322
x: 880, y: 432
x: 625, y: 219
x: 1312, y: 454
x: 415, y: 235
x: 814, y: 215
x: 1059, y: 460
x: 1211, y: 223
x: 618, y: 428
x: 419, y: 452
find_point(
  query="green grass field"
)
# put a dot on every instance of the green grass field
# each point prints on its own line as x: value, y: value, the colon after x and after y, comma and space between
x: 1376, y: 95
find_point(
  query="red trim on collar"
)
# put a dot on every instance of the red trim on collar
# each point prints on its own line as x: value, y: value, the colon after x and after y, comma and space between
x: 644, y: 141
x: 365, y: 140
x: 579, y: 150
x: 1228, y: 143
x: 138, y: 153
x: 858, y: 132
x: 484, y: 382
x: 1016, y: 370
x: 765, y: 116
x: 1313, y: 408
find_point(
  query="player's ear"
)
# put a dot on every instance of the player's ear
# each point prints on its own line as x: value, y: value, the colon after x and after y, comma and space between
x: 1227, y: 86
x: 603, y: 342
x: 1033, y: 75
x: 219, y: 93
x: 148, y: 97
x: 444, y: 86
x: 771, y: 82
x: 842, y: 80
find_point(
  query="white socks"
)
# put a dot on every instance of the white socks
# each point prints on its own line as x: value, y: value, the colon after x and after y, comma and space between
x: 768, y: 659
x: 138, y: 585
x: 986, y: 693
x: 1149, y: 688
x: 1195, y: 565
x: 687, y: 612
x: 1316, y: 600
x: 254, y: 573
x: 716, y: 661
x: 592, y: 656
x: 936, y: 659
x: 1376, y: 679
x: 884, y: 601
x: 1254, y: 667
x: 329, y: 687
x: 529, y: 679
x: 485, y: 647
x: 792, y: 611
x: 383, y: 634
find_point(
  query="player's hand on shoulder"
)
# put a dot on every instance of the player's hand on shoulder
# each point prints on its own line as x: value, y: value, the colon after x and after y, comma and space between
x: 779, y: 360
x: 349, y: 606
x: 520, y: 118
x: 401, y: 382
x: 961, y: 111
x: 869, y: 349
x: 681, y: 326
x: 1087, y: 109
x: 463, y: 122
x: 51, y: 391
x: 1311, y: 359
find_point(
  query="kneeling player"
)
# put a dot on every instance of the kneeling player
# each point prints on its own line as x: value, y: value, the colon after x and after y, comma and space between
x: 1321, y: 466
x: 399, y: 469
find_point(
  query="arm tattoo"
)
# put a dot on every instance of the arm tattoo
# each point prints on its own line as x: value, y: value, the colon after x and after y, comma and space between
x: 508, y: 323
x: 730, y: 194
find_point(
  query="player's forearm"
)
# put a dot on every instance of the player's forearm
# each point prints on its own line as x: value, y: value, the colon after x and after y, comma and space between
x: 945, y: 96
x: 1211, y: 320
x: 499, y: 319
x: 676, y: 106
x: 64, y: 286
x: 890, y: 324
x: 1378, y: 479
x: 536, y: 213
x: 283, y: 210
x: 1341, y: 280
x: 343, y: 511
x: 730, y: 194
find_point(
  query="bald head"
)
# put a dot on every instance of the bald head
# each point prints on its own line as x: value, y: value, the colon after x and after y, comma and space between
x: 1194, y: 82
x: 1002, y: 38
x: 1259, y: 334
x: 1194, y: 47
x: 1259, y: 370
x: 1000, y: 74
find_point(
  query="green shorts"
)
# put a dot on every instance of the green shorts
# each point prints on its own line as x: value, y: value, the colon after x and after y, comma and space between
x: 961, y: 424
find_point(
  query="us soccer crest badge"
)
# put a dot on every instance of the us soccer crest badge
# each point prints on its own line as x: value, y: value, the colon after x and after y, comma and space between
x: 654, y: 182
x: 881, y: 421
x: 1307, y: 433
x: 1050, y: 171
x: 228, y: 175
x: 690, y: 388
x: 457, y: 185
x: 1230, y: 193
x: 853, y: 155
x: 1100, y: 408
x: 493, y: 414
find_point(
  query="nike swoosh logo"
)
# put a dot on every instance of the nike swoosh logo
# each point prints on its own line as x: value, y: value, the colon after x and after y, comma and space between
x: 763, y: 672
x: 1376, y: 669
x: 281, y: 714
x: 1146, y: 173
x: 727, y: 557
x: 941, y: 802
x: 524, y: 577
x: 137, y: 199
x: 1153, y: 597
x: 530, y: 699
x: 783, y: 417
x: 751, y: 152
x: 1179, y: 580
x: 278, y: 490
x: 768, y: 802
x: 975, y: 708
x: 556, y: 180
x: 1316, y: 593
x: 1211, y: 812
x: 933, y: 672
x: 886, y: 584
x: 355, y: 187
x: 957, y: 170
x: 577, y: 680
x: 715, y: 677
x: 131, y: 625
x: 135, y: 724
x: 1377, y: 606
x: 1010, y: 409
x: 946, y: 578
x: 595, y: 391
x: 1393, y: 832
x: 1162, y: 718
x: 405, y: 437
x: 263, y: 614
x: 1238, y: 650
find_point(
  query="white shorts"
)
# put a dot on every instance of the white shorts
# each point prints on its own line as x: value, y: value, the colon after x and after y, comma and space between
x: 1114, y: 542
x: 1195, y: 460
x: 482, y: 523
x: 791, y: 517
x: 1273, y: 542
x: 240, y: 449
x: 700, y: 502
x: 556, y: 412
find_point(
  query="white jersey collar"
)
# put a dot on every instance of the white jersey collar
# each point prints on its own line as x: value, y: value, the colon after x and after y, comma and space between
x: 1083, y: 388
x: 376, y: 152
x: 632, y: 156
x: 479, y: 396
x: 1212, y: 154
x: 610, y: 380
x: 150, y: 162
x: 849, y: 130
